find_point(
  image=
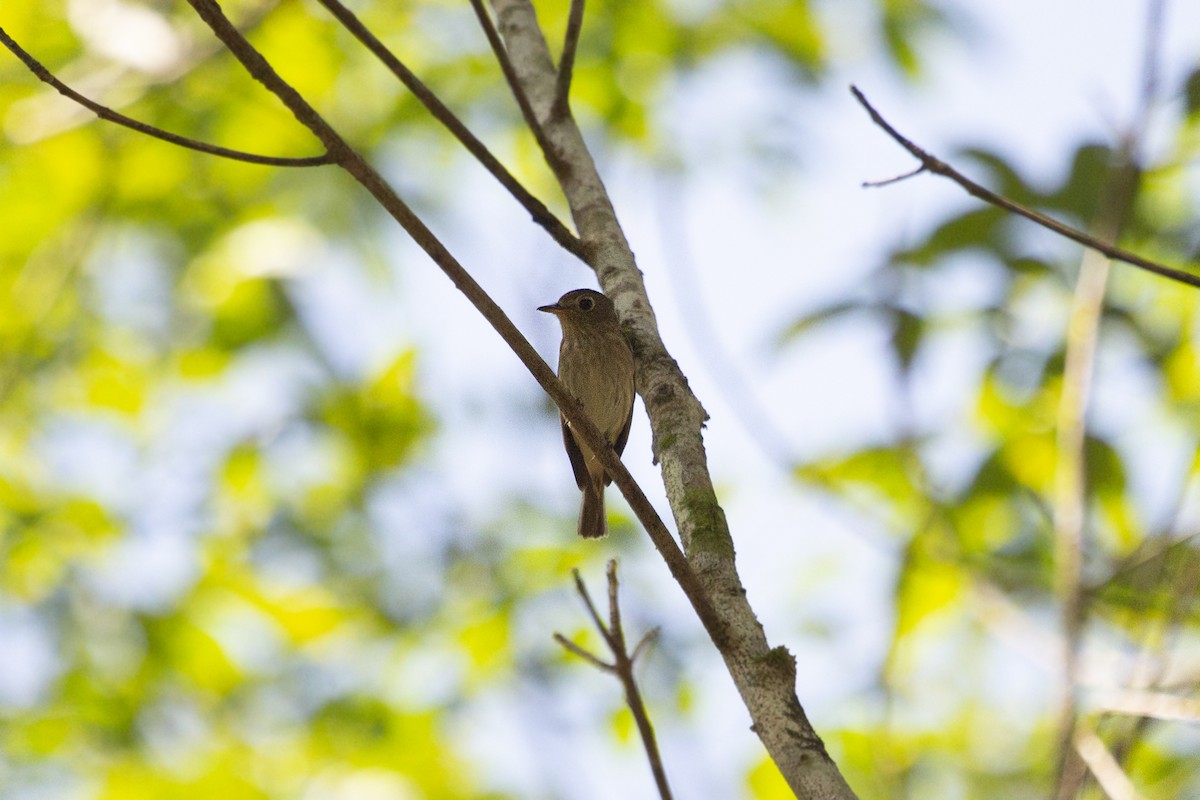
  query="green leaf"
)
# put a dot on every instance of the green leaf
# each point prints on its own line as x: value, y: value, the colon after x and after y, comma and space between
x: 982, y: 229
x: 1085, y: 183
x: 880, y: 474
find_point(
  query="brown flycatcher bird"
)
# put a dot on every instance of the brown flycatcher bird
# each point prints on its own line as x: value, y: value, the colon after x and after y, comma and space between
x: 596, y: 365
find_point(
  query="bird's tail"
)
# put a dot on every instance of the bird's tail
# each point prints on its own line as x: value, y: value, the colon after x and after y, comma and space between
x: 592, y: 524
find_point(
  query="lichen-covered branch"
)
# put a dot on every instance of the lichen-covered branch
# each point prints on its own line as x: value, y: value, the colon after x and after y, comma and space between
x: 764, y: 676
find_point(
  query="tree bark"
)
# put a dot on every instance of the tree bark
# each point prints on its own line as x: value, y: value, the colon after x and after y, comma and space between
x: 765, y: 676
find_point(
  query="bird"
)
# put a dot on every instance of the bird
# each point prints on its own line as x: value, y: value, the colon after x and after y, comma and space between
x: 595, y: 364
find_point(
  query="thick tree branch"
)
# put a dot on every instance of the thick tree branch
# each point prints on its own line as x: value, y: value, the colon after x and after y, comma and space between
x: 765, y: 677
x: 106, y: 113
x: 537, y: 209
x: 930, y: 163
x: 621, y: 666
x: 353, y: 162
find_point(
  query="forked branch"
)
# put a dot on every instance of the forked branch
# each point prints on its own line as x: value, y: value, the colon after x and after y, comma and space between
x: 353, y: 162
x: 930, y: 163
x: 621, y: 666
x: 442, y: 113
x: 765, y: 676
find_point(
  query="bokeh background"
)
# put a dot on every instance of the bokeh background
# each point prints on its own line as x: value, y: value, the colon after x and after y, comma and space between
x: 280, y: 517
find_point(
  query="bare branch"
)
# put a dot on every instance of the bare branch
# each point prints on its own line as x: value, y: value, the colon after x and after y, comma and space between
x: 591, y: 658
x: 931, y: 163
x: 581, y: 423
x: 581, y: 588
x: 895, y: 179
x: 614, y: 608
x: 566, y: 64
x: 537, y: 209
x: 106, y: 113
x: 510, y: 75
x: 765, y: 676
x: 648, y: 638
x: 622, y: 667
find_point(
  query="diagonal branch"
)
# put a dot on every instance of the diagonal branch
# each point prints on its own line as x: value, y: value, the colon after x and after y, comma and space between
x: 930, y: 163
x: 1108, y: 772
x: 765, y: 676
x: 586, y: 655
x: 648, y: 639
x: 622, y: 667
x: 537, y: 210
x: 566, y: 64
x: 591, y: 607
x: 106, y: 113
x: 353, y: 162
x: 510, y: 75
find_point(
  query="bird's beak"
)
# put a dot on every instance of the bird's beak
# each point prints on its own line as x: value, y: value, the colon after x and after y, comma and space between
x: 555, y: 309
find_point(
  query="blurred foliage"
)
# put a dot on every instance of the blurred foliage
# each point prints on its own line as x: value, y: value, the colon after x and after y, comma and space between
x: 968, y: 490
x: 203, y: 593
x: 197, y: 584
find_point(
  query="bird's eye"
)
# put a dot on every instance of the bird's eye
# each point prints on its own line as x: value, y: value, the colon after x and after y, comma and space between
x: 586, y: 304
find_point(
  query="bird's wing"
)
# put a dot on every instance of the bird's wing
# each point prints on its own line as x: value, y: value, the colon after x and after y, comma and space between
x: 622, y: 438
x: 576, y: 455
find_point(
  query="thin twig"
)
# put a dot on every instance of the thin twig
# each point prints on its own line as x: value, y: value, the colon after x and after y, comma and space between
x: 353, y: 162
x: 765, y: 676
x: 933, y: 164
x: 587, y: 656
x: 566, y: 63
x: 537, y: 209
x: 622, y: 667
x: 614, y: 608
x: 106, y: 113
x: 581, y: 588
x: 510, y: 74
x: 648, y: 638
x: 912, y: 173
